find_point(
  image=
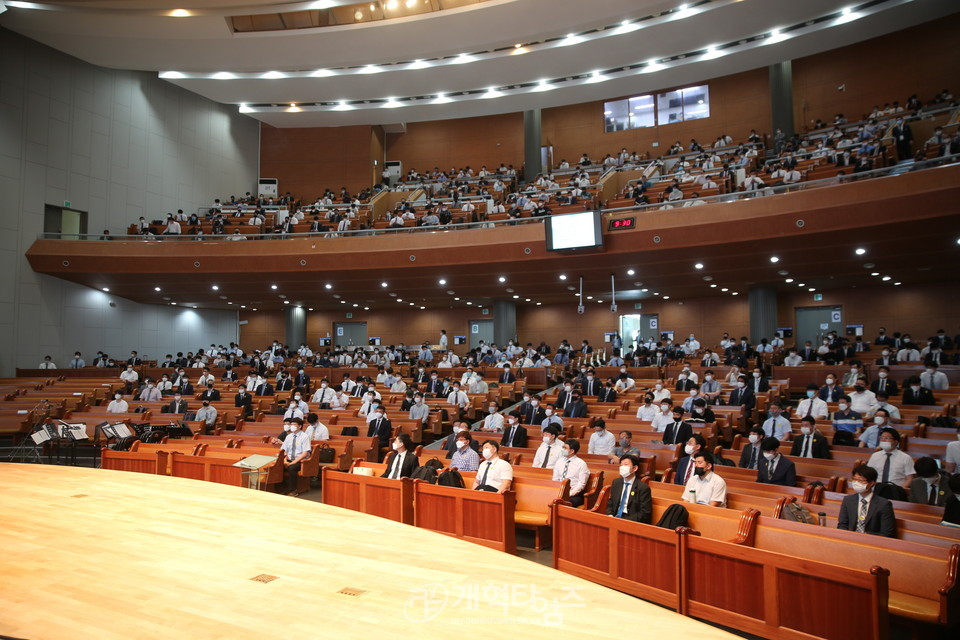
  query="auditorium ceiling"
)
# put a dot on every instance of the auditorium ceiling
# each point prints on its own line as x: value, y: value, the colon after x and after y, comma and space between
x: 458, y: 59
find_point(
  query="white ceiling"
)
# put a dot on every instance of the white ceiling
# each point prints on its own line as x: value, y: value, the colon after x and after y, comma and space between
x: 138, y: 35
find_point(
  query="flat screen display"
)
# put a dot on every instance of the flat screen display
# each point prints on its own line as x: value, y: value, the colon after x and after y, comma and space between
x: 574, y: 231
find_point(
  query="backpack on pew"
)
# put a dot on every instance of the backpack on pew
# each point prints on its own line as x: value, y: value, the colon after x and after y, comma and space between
x: 890, y: 491
x: 451, y: 478
x: 796, y: 512
x: 434, y: 463
x: 327, y: 454
x: 190, y: 416
x: 675, y: 516
x: 945, y: 422
x: 844, y: 439
x: 425, y: 473
x: 350, y: 431
x: 140, y: 409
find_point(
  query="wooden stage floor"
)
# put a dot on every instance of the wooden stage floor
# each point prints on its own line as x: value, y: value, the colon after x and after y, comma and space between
x: 89, y: 553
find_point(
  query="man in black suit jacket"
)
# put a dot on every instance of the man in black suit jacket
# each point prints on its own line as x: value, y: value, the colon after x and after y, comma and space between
x: 678, y: 431
x: 380, y: 427
x: 819, y: 446
x: 302, y: 381
x: 684, y: 385
x: 514, y: 435
x: 420, y: 376
x: 434, y: 385
x: 743, y: 396
x: 914, y: 394
x: 808, y: 353
x: 533, y: 414
x: 750, y: 454
x: 607, y: 393
x: 576, y: 408
x: 784, y: 472
x: 263, y: 389
x: 177, y: 405
x: 591, y: 385
x: 244, y: 400
x: 401, y: 462
x: 507, y: 376
x: 211, y: 393
x: 886, y: 360
x: 758, y: 383
x: 884, y: 383
x: 694, y: 444
x: 923, y: 491
x: 879, y: 519
x: 564, y: 396
x: 636, y: 503
x: 883, y: 339
x: 186, y: 389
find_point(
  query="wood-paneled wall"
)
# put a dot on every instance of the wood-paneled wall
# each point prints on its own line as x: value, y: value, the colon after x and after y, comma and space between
x: 922, y: 60
x: 919, y: 310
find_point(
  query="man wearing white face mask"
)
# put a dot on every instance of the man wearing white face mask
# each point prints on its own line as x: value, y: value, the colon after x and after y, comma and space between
x: 493, y: 422
x: 777, y: 426
x: 686, y: 465
x: 751, y: 455
x: 660, y: 392
x: 775, y: 469
x: 514, y: 435
x: 551, y: 417
x: 495, y: 473
x: 863, y: 511
x: 812, y: 405
x: 572, y: 467
x: 892, y: 464
x: 465, y: 456
x: 118, y: 404
x: 845, y: 419
x: 664, y: 417
x: 870, y: 438
x: 150, y: 393
x: 930, y: 486
x: 296, y: 446
x: 883, y: 383
x: 630, y: 498
x: 549, y: 450
x: 810, y: 443
x: 400, y: 462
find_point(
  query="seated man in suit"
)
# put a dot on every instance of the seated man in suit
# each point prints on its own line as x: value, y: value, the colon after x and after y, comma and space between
x: 263, y: 387
x: 534, y: 413
x: 243, y: 400
x: 775, y: 469
x: 607, y: 393
x: 686, y: 463
x: 576, y: 408
x: 887, y: 357
x: 883, y: 383
x: 507, y: 376
x: 296, y: 445
x: 750, y: 454
x: 514, y: 434
x: 630, y: 498
x: 178, y: 405
x: 743, y: 396
x: 210, y: 393
x: 931, y: 485
x: 401, y: 462
x: 677, y: 431
x: 758, y: 383
x: 379, y: 427
x: 810, y: 443
x: 831, y: 391
x: 863, y: 511
x: 915, y: 394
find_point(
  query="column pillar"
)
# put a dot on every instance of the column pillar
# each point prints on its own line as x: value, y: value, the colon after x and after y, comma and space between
x: 781, y: 97
x: 295, y: 320
x: 504, y: 321
x: 763, y: 313
x: 531, y: 145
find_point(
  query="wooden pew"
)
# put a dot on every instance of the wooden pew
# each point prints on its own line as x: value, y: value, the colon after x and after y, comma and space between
x: 391, y: 499
x: 482, y: 517
x: 154, y: 462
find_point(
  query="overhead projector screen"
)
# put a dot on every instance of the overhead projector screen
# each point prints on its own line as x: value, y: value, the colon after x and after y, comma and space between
x: 571, y: 231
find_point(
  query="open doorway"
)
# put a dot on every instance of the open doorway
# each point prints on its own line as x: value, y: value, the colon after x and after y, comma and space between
x: 635, y: 328
x: 69, y: 223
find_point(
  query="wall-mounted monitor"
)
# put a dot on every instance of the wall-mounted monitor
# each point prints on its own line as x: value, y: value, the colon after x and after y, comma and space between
x: 572, y: 231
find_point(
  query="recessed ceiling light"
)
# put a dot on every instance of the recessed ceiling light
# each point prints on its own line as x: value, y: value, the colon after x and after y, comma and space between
x: 384, y: 285
x: 310, y: 309
x: 173, y: 303
x: 783, y: 272
x: 774, y: 259
x: 589, y: 297
x: 724, y: 289
x: 713, y: 286
x: 355, y: 304
x: 735, y: 293
x: 273, y: 75
x: 468, y: 302
x: 215, y: 288
x: 274, y: 287
x: 875, y: 273
x: 106, y: 289
x: 860, y: 251
x: 885, y: 278
x: 812, y: 289
x: 800, y: 284
x: 422, y: 308
x: 643, y: 290
x: 630, y: 272
x: 699, y: 265
x: 328, y: 286
x: 666, y: 297
x: 442, y: 281
x: 366, y: 308
x: 897, y: 284
x: 286, y: 302
x: 456, y: 298
x: 180, y: 13
x: 527, y: 300
x: 563, y: 276
x: 243, y: 306
x: 502, y: 279
x: 788, y: 280
x: 399, y: 299
x: 156, y: 288
x: 229, y: 303
x: 540, y: 303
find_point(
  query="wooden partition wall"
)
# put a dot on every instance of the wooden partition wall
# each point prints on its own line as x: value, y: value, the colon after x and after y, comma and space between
x: 478, y: 516
x: 390, y: 499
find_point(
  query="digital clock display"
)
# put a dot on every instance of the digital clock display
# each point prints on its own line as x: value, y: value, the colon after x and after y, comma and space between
x: 623, y: 223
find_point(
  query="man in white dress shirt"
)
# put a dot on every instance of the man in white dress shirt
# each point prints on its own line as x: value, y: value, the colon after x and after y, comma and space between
x: 495, y: 473
x: 602, y: 441
x: 704, y: 486
x: 549, y: 450
x: 297, y: 447
x: 47, y: 363
x: 572, y: 467
x: 493, y: 422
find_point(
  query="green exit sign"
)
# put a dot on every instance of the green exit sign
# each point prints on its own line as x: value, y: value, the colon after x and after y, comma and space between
x: 67, y: 203
x: 817, y: 297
